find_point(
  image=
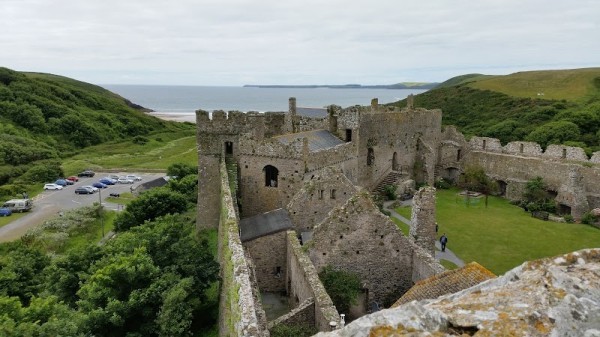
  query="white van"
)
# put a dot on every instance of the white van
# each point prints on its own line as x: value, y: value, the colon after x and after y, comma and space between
x: 19, y: 205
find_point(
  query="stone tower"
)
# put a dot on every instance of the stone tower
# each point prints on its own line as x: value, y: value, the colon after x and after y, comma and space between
x: 209, y: 178
x: 422, y: 228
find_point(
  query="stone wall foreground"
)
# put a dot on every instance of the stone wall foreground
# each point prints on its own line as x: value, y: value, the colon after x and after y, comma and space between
x: 555, y: 296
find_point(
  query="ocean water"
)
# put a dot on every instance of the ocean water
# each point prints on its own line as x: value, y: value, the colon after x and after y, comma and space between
x: 187, y: 99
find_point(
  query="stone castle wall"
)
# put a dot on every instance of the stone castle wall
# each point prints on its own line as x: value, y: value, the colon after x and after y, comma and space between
x: 304, y: 284
x: 319, y: 194
x: 358, y: 238
x: 238, y: 308
x: 422, y: 229
x: 256, y: 196
x: 403, y: 133
x: 268, y: 259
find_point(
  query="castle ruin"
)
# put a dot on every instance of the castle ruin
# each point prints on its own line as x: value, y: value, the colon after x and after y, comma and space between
x: 289, y: 194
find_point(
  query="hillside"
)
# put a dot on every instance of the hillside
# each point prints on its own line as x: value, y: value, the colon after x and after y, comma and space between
x: 505, y: 107
x: 45, y: 118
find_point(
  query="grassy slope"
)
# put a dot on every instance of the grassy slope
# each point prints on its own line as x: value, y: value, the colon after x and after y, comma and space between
x: 503, y: 236
x: 571, y: 84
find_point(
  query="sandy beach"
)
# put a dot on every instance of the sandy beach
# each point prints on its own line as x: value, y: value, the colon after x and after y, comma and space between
x: 176, y: 117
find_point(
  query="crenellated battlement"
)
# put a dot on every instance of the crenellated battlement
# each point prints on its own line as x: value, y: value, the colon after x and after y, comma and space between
x: 237, y: 122
x: 532, y: 149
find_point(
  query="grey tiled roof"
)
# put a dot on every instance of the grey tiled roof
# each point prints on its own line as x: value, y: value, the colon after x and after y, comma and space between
x: 312, y: 112
x: 264, y: 224
x: 317, y: 139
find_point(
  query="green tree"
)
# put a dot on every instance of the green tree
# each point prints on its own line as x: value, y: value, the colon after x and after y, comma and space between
x: 343, y: 287
x: 187, y: 186
x: 19, y: 271
x: 475, y: 179
x: 150, y: 205
x: 181, y: 170
x: 555, y: 133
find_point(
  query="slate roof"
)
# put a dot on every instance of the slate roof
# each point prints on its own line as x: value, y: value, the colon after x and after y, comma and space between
x: 264, y: 224
x: 312, y: 112
x: 317, y: 139
x: 448, y: 282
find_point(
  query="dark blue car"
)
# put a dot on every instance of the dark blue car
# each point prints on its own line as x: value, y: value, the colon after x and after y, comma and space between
x: 99, y: 185
x: 5, y: 212
x: 107, y: 182
x: 62, y: 182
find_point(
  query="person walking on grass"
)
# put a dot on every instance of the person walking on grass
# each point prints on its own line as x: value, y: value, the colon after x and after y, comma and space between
x: 444, y: 241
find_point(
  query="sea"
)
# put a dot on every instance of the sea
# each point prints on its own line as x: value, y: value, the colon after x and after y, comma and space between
x: 187, y: 99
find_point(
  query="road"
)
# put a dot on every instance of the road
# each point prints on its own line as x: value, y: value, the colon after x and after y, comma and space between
x: 49, y: 203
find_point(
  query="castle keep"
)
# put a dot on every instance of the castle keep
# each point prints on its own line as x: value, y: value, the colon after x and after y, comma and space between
x: 289, y: 194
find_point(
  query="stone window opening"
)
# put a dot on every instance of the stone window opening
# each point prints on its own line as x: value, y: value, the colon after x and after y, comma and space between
x: 370, y: 156
x: 395, y: 162
x: 271, y: 176
x: 332, y: 196
x: 348, y: 135
x: 228, y: 147
x: 484, y: 144
x: 321, y: 192
x: 458, y: 154
x: 521, y: 147
x: 278, y: 272
x: 564, y: 153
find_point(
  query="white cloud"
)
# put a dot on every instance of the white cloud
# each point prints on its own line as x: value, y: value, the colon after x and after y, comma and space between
x: 233, y: 42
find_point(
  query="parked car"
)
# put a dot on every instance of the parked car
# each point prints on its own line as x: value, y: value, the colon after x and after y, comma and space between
x: 99, y: 185
x: 124, y: 180
x: 73, y: 179
x: 69, y: 182
x: 53, y: 187
x: 134, y: 177
x: 61, y: 182
x: 94, y: 189
x: 84, y: 190
x: 107, y: 181
x: 86, y: 173
x: 5, y: 211
x: 18, y: 205
x: 114, y: 177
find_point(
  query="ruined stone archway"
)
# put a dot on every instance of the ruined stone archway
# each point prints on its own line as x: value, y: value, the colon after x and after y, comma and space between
x: 451, y: 174
x: 501, y: 187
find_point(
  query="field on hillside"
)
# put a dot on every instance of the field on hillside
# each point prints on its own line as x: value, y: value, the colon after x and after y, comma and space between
x: 158, y: 153
x: 570, y: 85
x: 502, y: 236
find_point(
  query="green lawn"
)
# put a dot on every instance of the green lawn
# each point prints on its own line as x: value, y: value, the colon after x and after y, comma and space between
x: 81, y: 239
x: 502, y: 236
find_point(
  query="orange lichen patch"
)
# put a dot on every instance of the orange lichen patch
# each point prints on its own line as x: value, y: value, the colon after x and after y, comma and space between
x: 447, y: 282
x: 400, y: 331
x: 542, y: 327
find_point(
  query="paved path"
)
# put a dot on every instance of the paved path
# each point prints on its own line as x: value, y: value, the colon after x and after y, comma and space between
x: 439, y: 255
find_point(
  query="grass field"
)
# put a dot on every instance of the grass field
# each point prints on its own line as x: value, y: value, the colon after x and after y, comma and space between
x: 570, y: 84
x: 502, y: 236
x: 158, y: 153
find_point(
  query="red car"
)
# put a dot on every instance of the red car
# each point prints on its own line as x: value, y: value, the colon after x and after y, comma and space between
x: 73, y: 179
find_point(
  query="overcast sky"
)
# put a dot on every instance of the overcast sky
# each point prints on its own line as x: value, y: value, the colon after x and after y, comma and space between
x: 236, y: 42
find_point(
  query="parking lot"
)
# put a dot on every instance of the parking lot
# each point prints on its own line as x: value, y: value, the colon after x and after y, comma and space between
x: 51, y: 202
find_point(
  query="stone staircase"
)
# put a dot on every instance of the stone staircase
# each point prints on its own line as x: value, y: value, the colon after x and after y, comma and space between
x: 391, y: 179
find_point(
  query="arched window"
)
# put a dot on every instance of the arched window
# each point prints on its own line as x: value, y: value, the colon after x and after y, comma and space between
x: 395, y: 162
x: 370, y: 157
x: 271, y: 173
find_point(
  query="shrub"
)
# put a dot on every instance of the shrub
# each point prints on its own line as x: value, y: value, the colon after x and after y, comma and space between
x: 442, y: 184
x: 140, y: 140
x: 588, y: 219
x: 568, y: 218
x: 343, y: 287
x: 390, y: 192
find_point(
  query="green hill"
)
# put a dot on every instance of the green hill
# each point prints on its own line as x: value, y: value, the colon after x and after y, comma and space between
x: 45, y: 118
x: 508, y: 107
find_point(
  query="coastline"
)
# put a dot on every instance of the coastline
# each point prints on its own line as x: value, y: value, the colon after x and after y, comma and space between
x: 175, y: 117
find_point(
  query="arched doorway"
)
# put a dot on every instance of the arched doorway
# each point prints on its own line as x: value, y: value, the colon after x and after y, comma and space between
x: 271, y: 176
x: 395, y: 166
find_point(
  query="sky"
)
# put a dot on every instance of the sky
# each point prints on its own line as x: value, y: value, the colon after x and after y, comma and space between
x: 237, y: 42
